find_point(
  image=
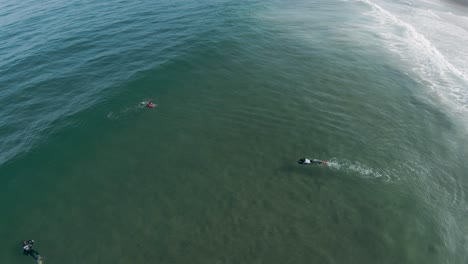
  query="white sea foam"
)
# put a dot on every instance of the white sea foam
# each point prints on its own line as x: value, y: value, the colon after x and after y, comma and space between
x: 112, y: 116
x: 362, y: 170
x: 445, y: 78
x: 461, y: 21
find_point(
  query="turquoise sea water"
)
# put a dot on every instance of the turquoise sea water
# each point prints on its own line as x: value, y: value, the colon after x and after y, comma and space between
x: 244, y: 89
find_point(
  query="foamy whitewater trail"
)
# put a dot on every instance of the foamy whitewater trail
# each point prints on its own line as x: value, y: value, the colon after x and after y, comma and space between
x: 363, y: 170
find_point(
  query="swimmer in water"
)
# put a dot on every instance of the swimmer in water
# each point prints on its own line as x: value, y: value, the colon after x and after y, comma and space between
x: 29, y: 251
x: 151, y: 105
x: 305, y: 161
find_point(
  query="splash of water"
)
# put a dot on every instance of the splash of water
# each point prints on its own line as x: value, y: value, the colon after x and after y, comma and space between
x: 364, y: 171
x: 127, y: 111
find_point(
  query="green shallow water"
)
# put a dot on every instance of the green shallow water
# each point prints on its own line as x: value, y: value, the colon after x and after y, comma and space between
x: 210, y: 176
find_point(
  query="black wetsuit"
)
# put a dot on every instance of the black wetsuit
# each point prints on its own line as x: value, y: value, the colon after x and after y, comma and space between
x: 29, y: 250
x: 305, y: 161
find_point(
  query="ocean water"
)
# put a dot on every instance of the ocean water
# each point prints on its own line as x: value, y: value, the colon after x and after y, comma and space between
x: 244, y: 89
